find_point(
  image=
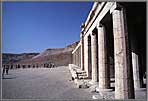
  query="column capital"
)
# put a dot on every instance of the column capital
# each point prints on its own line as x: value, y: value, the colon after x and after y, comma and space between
x: 89, y: 38
x: 93, y: 33
x: 100, y: 25
x: 116, y: 6
x: 82, y: 33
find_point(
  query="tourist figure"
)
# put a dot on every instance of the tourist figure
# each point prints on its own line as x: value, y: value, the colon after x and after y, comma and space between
x: 4, y: 69
x: 7, y: 69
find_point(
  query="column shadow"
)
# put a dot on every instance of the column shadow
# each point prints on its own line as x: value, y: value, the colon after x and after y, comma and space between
x: 8, y: 77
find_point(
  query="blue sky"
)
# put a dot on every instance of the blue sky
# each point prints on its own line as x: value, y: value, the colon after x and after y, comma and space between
x: 36, y: 26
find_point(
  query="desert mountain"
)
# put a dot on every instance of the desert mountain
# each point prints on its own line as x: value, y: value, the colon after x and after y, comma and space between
x: 58, y: 56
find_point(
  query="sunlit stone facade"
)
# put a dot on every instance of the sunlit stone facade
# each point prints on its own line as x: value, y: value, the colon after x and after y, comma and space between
x: 113, y: 45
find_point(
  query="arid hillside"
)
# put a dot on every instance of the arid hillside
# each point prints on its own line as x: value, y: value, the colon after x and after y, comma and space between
x: 58, y: 56
x: 8, y: 58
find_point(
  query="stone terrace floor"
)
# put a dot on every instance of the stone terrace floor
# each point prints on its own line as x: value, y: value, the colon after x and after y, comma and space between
x: 47, y: 83
x: 42, y: 83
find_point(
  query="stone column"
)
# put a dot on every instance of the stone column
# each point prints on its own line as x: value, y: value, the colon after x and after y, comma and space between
x: 86, y: 57
x: 104, y: 78
x: 86, y: 63
x: 124, y: 88
x: 80, y: 56
x: 73, y: 58
x: 136, y: 70
x: 82, y: 50
x: 94, y: 57
x: 77, y: 57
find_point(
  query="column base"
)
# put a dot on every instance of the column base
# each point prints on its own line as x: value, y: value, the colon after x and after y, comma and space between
x: 97, y: 96
x: 140, y: 89
x: 93, y: 82
x: 103, y: 90
x: 106, y: 93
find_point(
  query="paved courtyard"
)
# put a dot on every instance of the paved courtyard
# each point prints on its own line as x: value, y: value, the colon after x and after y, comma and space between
x: 42, y: 83
x: 47, y: 83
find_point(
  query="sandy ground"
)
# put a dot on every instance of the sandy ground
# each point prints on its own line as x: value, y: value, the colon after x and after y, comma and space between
x: 42, y: 83
x: 47, y: 84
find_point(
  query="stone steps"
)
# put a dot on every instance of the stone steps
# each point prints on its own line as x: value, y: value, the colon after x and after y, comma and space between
x: 79, y: 76
x: 82, y: 75
x: 81, y: 72
x: 76, y: 72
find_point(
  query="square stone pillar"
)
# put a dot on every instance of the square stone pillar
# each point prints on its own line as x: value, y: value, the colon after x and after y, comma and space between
x: 80, y: 56
x: 77, y: 58
x: 94, y: 57
x: 74, y: 58
x: 87, y: 57
x: 82, y: 50
x: 136, y: 76
x: 124, y: 88
x: 77, y: 52
x: 104, y: 77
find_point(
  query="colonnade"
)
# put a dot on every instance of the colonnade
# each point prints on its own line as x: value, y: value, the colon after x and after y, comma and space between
x: 94, y: 55
x: 100, y: 69
x: 77, y: 57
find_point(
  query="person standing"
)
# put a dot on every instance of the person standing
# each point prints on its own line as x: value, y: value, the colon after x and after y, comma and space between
x: 4, y: 69
x: 7, y: 69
